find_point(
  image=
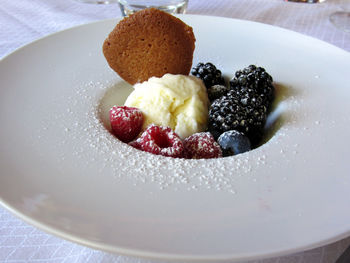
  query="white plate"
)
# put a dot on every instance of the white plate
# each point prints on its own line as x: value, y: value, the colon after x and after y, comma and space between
x: 62, y: 171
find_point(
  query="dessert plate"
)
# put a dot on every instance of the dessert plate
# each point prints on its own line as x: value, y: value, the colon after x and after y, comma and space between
x: 62, y: 171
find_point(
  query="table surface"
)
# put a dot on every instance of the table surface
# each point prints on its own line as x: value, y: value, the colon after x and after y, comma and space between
x: 22, y: 22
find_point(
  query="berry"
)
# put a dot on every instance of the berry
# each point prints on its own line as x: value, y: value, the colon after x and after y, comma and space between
x: 217, y: 91
x: 215, y: 133
x: 126, y: 122
x: 135, y: 144
x: 201, y: 145
x: 242, y: 111
x: 208, y: 73
x: 234, y: 142
x: 256, y: 79
x: 161, y: 141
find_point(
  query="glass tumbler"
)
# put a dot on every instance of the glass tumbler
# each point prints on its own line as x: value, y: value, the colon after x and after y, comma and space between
x: 306, y: 1
x: 128, y: 7
x: 104, y: 2
x: 341, y: 18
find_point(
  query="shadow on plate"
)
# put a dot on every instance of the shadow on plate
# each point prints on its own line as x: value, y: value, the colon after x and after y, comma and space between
x: 116, y: 94
x: 279, y: 114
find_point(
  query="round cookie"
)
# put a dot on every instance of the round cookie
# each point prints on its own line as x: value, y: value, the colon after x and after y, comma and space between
x: 149, y: 43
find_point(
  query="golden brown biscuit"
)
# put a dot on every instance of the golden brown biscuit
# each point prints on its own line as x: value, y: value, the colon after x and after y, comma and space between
x: 149, y: 43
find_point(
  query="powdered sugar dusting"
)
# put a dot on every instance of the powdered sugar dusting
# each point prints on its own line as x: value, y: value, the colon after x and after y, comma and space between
x: 84, y: 124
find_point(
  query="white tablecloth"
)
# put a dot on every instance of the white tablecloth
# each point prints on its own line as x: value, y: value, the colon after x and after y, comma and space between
x: 22, y: 21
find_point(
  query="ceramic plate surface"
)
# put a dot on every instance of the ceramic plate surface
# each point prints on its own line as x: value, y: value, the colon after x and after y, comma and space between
x: 62, y: 170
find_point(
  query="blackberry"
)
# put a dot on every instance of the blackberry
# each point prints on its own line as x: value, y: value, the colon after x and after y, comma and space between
x: 208, y: 73
x: 217, y: 91
x: 243, y: 111
x: 257, y: 79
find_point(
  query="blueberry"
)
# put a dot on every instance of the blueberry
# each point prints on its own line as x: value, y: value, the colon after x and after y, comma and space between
x: 234, y: 142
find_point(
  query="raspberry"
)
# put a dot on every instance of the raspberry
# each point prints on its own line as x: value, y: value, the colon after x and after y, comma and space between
x: 201, y: 145
x: 135, y: 144
x: 161, y: 141
x: 126, y: 122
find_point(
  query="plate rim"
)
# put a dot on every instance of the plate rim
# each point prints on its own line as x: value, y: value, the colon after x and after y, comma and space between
x: 179, y: 16
x: 153, y: 255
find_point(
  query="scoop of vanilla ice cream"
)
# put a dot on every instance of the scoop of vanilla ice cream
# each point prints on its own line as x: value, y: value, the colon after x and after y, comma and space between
x: 177, y: 101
